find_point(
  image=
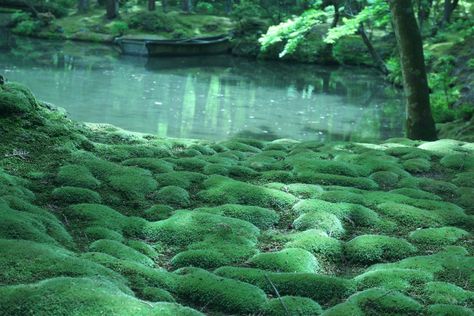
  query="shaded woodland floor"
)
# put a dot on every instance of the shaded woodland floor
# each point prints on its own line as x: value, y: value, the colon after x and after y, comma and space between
x: 97, y: 220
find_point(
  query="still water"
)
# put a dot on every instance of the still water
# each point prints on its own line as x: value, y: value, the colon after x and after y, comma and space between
x: 205, y: 97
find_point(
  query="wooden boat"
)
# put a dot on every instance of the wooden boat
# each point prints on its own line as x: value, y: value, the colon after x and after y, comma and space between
x: 132, y: 46
x: 212, y: 45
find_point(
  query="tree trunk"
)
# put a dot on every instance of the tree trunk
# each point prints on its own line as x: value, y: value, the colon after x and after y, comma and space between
x: 187, y: 5
x: 373, y: 53
x: 448, y: 11
x: 420, y: 123
x: 164, y: 5
x: 112, y: 9
x: 151, y: 5
x: 83, y: 6
x: 424, y: 10
x: 228, y: 6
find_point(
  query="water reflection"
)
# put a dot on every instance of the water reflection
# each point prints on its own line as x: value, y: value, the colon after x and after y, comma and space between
x: 206, y: 97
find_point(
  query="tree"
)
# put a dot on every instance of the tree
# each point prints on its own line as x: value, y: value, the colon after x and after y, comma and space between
x: 449, y: 6
x: 187, y: 5
x: 83, y: 6
x: 228, y: 6
x: 151, y: 5
x: 111, y: 7
x: 164, y: 5
x: 420, y: 123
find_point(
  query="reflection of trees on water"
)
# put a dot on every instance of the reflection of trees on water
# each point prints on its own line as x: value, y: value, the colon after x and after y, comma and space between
x: 213, y: 97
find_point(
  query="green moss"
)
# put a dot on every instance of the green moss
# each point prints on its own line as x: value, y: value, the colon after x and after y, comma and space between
x: 158, y: 212
x: 277, y: 175
x: 120, y: 251
x: 220, y: 169
x: 342, y: 196
x: 385, y: 179
x: 417, y: 165
x: 24, y: 261
x: 409, y: 217
x: 173, y: 195
x: 155, y: 294
x: 186, y: 227
x: 190, y: 164
x: 330, y: 179
x: 138, y: 276
x: 97, y: 232
x: 182, y: 179
x: 464, y: 179
x: 242, y: 172
x: 206, y: 259
x: 448, y: 310
x: 458, y: 161
x: 451, y: 265
x: 377, y: 301
x: 327, y: 222
x: 123, y: 152
x: 146, y: 249
x: 313, y: 205
x: 438, y: 236
x: 310, y: 162
x: 441, y: 188
x: 222, y: 190
x: 153, y: 164
x: 263, y: 218
x: 416, y: 194
x: 240, y: 146
x: 133, y: 183
x: 84, y: 215
x: 77, y: 176
x: 80, y: 296
x: 321, y: 288
x: 235, y: 248
x: 365, y: 217
x: 225, y: 295
x: 304, y: 191
x: 286, y: 260
x: 367, y: 249
x: 291, y: 305
x: 446, y: 293
x: 393, y: 279
x: 318, y: 243
x: 74, y: 195
x: 16, y: 99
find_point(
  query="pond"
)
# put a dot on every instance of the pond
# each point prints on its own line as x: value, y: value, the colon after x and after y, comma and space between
x: 205, y: 97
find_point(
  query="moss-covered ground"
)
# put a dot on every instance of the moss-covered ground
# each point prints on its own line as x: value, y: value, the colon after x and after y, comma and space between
x: 98, y: 221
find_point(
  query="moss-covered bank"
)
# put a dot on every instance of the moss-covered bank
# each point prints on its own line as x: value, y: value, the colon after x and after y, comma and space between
x: 95, y: 220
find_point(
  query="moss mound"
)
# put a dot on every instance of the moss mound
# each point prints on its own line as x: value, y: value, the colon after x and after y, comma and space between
x: 438, y: 236
x: 173, y: 195
x: 120, y: 251
x: 448, y: 310
x: 221, y: 294
x: 321, y: 288
x: 74, y: 195
x: 16, y: 99
x: 153, y: 164
x: 80, y: 296
x: 263, y: 218
x: 222, y: 190
x: 318, y: 243
x: 447, y: 293
x: 292, y: 305
x: 395, y: 279
x: 367, y: 249
x: 327, y: 222
x: 286, y: 260
x: 77, y: 176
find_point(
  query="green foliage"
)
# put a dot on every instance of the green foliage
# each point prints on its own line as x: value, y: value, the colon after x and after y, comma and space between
x: 294, y: 30
x: 151, y: 21
x: 202, y: 287
x: 286, y: 260
x: 118, y: 27
x: 205, y: 7
x: 448, y: 309
x: 367, y: 249
x: 446, y: 293
x: 27, y: 27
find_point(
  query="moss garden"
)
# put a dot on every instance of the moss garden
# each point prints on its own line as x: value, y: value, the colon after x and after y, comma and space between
x: 95, y: 220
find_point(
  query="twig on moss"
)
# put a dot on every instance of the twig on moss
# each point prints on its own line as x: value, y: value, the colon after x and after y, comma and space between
x: 277, y: 294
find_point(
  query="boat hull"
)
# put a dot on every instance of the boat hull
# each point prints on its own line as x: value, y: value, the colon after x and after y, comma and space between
x: 188, y: 48
x: 132, y: 47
